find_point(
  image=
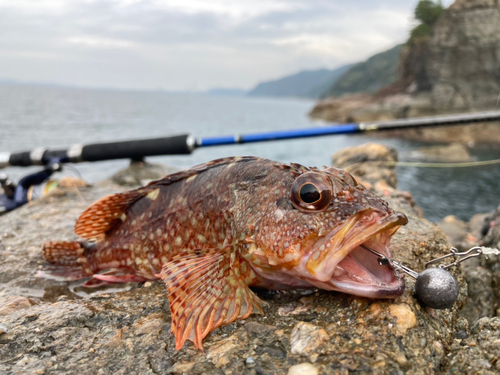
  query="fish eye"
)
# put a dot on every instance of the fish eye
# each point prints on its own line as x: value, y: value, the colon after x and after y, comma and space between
x: 311, y: 191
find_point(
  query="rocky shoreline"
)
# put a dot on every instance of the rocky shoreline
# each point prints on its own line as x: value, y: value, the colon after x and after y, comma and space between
x: 51, y: 327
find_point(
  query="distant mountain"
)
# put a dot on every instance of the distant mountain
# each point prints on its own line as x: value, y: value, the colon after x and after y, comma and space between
x: 378, y: 71
x: 306, y: 84
x: 226, y: 92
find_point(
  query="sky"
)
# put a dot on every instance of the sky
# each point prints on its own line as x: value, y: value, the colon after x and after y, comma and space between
x: 191, y: 45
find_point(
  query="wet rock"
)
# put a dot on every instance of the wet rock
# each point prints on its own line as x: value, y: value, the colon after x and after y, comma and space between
x: 489, y: 223
x: 306, y: 338
x: 455, y: 229
x: 218, y: 353
x: 10, y: 304
x: 479, y: 353
x: 479, y: 225
x: 371, y: 162
x: 453, y: 153
x: 140, y: 173
x: 254, y: 328
x: 182, y: 368
x: 480, y: 300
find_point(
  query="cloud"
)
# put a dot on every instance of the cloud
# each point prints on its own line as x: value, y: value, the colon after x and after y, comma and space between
x: 190, y: 44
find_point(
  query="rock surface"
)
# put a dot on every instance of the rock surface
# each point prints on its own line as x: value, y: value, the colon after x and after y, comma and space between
x: 371, y: 162
x: 452, y: 153
x: 140, y: 173
x: 68, y: 330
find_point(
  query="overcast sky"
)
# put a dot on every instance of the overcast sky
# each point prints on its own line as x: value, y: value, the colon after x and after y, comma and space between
x: 191, y: 44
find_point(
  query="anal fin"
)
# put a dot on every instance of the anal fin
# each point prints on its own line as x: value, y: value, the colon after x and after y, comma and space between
x: 112, y: 277
x: 207, y: 289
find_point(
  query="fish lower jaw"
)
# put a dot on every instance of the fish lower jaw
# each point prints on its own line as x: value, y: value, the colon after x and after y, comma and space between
x: 342, y: 249
x: 351, y: 269
x: 360, y: 273
x: 392, y: 290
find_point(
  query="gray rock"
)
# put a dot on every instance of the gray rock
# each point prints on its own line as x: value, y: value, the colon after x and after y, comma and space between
x: 478, y: 353
x: 480, y: 294
x: 462, y: 58
x: 455, y: 229
x: 369, y: 162
x: 140, y: 173
x: 453, y: 153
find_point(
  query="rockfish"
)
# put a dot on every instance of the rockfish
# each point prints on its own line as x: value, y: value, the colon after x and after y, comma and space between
x: 215, y: 230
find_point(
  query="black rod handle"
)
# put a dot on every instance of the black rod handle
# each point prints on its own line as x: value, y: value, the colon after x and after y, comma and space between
x: 137, y: 150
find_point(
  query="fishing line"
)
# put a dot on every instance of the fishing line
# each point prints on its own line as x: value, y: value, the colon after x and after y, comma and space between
x: 426, y: 165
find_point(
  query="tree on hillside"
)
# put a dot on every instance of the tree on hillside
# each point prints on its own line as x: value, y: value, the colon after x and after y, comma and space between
x: 427, y: 12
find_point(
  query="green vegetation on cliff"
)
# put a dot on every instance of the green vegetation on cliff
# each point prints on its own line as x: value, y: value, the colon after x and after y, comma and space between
x: 369, y: 76
x: 427, y: 12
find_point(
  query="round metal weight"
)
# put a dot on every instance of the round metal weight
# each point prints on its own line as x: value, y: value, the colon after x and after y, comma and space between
x: 436, y: 288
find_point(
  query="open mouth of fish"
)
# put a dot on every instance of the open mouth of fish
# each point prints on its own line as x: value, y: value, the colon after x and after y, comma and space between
x: 338, y: 262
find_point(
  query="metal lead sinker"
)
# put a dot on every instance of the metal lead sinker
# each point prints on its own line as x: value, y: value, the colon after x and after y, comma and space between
x: 436, y: 287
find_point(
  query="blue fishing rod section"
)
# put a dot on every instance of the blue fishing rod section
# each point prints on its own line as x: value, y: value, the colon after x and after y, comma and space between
x: 278, y: 135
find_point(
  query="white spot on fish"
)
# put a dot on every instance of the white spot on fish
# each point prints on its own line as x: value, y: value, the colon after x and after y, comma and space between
x: 191, y: 178
x: 153, y: 194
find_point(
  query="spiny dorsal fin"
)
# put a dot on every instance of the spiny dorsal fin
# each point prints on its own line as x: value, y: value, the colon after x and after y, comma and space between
x: 103, y: 215
x: 178, y: 176
x: 206, y: 290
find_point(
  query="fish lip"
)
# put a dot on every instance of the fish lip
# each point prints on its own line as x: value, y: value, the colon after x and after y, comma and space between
x: 377, y: 235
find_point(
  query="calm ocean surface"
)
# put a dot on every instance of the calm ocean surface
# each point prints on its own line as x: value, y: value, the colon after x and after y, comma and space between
x: 54, y: 117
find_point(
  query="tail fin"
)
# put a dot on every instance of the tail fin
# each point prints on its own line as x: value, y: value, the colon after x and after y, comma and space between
x: 69, y: 261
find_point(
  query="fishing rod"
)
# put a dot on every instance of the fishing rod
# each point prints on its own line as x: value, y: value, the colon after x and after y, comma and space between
x: 16, y: 195
x: 185, y: 143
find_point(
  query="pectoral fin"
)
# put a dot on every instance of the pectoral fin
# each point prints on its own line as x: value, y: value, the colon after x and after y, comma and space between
x: 207, y: 289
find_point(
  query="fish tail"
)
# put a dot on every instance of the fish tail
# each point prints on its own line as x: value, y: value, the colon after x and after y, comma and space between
x: 69, y: 260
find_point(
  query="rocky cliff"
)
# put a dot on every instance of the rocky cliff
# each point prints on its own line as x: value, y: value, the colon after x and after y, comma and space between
x: 462, y: 59
x: 457, y: 69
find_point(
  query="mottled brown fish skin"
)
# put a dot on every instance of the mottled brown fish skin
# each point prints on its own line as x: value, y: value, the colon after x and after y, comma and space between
x: 212, y: 231
x: 189, y: 210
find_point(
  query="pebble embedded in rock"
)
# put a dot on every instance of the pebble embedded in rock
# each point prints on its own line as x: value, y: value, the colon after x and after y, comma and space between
x: 250, y: 362
x: 306, y: 338
x: 303, y: 369
x: 405, y: 317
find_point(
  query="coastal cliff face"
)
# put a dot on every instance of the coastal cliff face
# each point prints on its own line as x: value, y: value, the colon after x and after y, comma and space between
x: 462, y: 60
x: 456, y: 69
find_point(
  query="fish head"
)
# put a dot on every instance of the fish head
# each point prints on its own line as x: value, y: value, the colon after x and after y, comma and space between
x: 311, y: 233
